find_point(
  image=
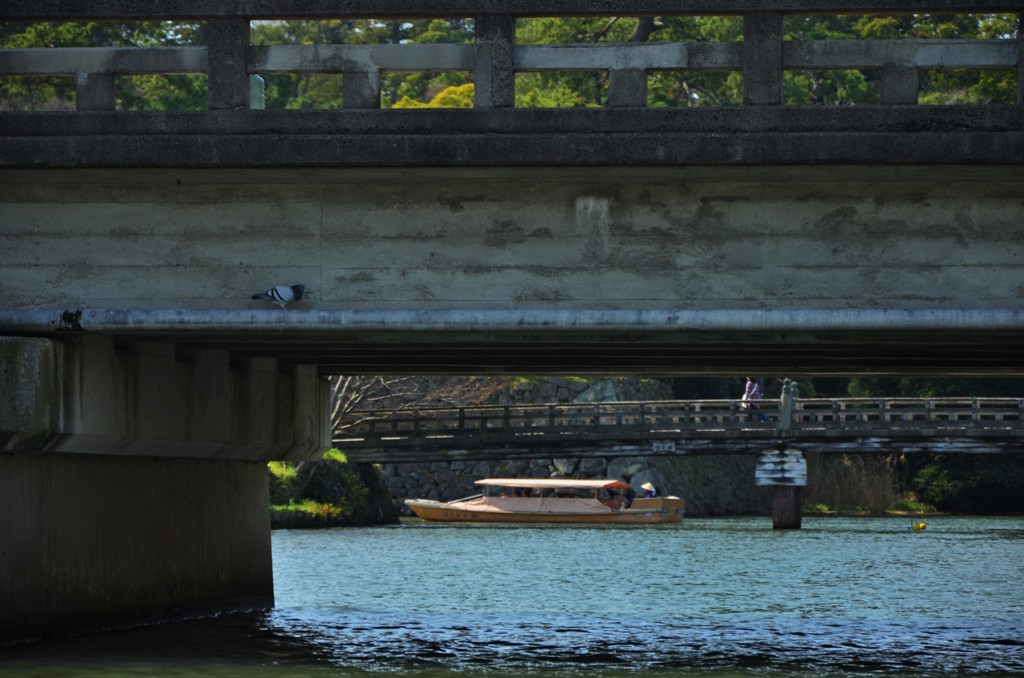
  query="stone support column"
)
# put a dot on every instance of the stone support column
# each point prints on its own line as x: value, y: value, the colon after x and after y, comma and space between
x: 227, y: 41
x: 94, y: 92
x: 785, y: 472
x: 1020, y: 59
x: 899, y: 84
x: 786, y: 507
x: 361, y: 89
x: 96, y: 541
x: 133, y: 482
x: 790, y: 393
x: 627, y: 88
x: 494, y: 75
x: 762, y: 59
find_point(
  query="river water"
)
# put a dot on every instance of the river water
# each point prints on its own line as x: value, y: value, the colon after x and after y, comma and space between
x: 713, y: 597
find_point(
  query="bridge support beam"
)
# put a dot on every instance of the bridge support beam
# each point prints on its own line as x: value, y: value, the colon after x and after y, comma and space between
x: 133, y: 483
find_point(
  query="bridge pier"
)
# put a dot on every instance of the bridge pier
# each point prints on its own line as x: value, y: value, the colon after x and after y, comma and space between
x: 96, y: 541
x: 785, y: 471
x: 786, y: 507
x: 133, y: 483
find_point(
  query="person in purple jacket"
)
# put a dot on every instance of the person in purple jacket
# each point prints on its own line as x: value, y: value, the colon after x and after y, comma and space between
x: 752, y: 394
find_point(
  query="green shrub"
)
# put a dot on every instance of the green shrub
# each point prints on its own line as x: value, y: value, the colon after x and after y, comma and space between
x: 328, y: 492
x: 284, y: 483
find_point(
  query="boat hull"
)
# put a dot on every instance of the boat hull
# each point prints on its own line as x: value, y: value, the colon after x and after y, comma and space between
x: 642, y: 512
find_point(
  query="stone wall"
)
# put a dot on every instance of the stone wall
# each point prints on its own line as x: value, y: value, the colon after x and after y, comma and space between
x: 710, y: 485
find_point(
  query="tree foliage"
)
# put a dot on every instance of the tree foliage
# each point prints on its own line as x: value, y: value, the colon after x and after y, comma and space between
x: 956, y: 482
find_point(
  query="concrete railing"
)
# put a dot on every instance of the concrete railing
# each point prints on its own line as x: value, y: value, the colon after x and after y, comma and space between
x: 762, y: 56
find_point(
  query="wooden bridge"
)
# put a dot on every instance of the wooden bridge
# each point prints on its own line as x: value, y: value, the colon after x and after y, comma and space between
x: 686, y: 427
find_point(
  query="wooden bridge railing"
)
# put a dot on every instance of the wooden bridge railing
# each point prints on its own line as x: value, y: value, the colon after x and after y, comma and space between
x: 762, y: 56
x: 788, y: 417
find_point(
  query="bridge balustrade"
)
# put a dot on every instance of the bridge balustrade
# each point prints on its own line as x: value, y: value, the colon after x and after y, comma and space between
x: 956, y: 413
x: 495, y: 58
x: 520, y: 419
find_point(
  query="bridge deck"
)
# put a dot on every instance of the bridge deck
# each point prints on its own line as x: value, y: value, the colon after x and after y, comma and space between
x: 850, y: 425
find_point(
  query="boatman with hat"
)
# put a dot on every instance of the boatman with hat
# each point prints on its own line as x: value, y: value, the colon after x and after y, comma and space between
x: 649, y: 490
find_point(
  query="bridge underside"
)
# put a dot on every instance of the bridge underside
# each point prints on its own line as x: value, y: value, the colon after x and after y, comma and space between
x: 639, y: 352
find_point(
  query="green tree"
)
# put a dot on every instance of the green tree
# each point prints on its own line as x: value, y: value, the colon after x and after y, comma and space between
x: 957, y: 482
x: 460, y: 96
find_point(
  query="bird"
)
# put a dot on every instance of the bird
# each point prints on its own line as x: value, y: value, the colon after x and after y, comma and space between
x: 282, y: 295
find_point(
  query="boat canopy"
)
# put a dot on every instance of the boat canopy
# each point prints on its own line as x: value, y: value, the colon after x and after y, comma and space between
x: 557, y: 483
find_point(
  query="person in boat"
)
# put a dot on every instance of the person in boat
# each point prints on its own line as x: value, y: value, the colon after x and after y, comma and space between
x: 609, y: 499
x: 649, y: 491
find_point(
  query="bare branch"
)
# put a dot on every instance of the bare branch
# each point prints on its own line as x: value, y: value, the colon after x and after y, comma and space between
x: 387, y: 396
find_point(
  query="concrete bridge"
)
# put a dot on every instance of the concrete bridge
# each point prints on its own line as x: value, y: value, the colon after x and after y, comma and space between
x: 143, y: 389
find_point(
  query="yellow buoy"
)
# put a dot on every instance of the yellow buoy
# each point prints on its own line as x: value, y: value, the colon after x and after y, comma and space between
x: 917, y: 527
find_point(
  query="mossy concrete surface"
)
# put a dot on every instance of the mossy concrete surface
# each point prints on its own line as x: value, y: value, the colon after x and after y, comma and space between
x: 30, y: 391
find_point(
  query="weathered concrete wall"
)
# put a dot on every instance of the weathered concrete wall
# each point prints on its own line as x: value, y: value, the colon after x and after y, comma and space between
x: 132, y: 482
x: 98, y: 541
x: 599, y: 238
x: 30, y: 391
x: 151, y: 399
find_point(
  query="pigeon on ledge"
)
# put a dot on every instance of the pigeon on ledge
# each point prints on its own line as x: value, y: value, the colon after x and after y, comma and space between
x: 282, y: 295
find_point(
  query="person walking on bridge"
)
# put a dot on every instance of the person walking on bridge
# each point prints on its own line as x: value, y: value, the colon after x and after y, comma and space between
x: 751, y: 396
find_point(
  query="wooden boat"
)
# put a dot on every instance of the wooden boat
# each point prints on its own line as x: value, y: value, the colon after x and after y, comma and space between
x: 551, y: 500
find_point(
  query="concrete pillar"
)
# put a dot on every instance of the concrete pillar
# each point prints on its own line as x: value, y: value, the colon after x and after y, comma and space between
x: 96, y: 541
x: 900, y: 83
x: 785, y: 507
x: 94, y: 92
x: 151, y: 399
x: 762, y: 59
x: 257, y: 92
x: 133, y: 483
x: 257, y: 421
x: 627, y: 88
x: 31, y: 382
x: 1020, y: 59
x: 789, y: 395
x: 360, y: 89
x: 227, y: 41
x: 494, y: 75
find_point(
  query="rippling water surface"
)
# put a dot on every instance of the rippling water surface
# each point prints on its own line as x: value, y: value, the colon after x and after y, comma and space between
x: 720, y: 597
